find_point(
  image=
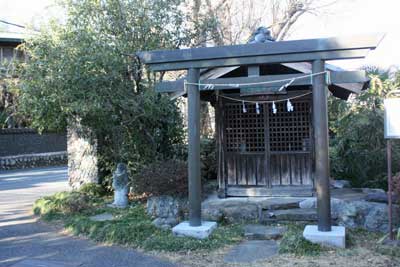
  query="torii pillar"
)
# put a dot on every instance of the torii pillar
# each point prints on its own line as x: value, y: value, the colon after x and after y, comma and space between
x: 321, y: 141
x: 324, y: 232
x: 194, y: 148
x: 195, y: 227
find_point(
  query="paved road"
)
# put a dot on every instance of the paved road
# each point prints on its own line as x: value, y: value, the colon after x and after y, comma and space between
x: 24, y: 242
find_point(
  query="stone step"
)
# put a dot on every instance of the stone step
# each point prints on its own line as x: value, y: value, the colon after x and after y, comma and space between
x: 102, y: 217
x: 381, y: 197
x: 290, y: 215
x: 263, y: 232
x: 280, y: 203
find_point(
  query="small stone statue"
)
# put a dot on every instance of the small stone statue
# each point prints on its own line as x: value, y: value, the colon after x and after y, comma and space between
x: 261, y: 35
x: 120, y: 185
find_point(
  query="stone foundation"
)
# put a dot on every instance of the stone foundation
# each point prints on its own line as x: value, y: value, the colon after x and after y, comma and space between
x: 33, y: 160
x: 349, y: 209
x: 334, y: 238
x: 372, y: 216
x: 167, y: 211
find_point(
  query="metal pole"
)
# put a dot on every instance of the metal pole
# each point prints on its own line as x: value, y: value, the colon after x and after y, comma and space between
x: 193, y: 93
x: 389, y: 167
x: 320, y: 121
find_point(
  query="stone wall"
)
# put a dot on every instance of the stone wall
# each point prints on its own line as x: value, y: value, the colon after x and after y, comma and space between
x: 372, y: 216
x: 28, y: 141
x: 33, y: 160
x: 82, y: 156
x: 167, y: 211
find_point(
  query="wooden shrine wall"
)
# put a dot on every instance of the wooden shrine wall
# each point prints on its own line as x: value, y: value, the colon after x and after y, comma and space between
x: 262, y: 148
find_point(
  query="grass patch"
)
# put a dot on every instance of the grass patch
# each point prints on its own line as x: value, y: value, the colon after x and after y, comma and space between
x: 59, y: 204
x: 373, y: 241
x: 85, y: 201
x: 359, y: 236
x: 130, y: 227
x: 293, y: 242
x: 391, y: 251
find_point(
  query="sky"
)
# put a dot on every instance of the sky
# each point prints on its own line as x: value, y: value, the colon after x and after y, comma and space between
x: 25, y: 11
x: 345, y: 18
x: 351, y: 17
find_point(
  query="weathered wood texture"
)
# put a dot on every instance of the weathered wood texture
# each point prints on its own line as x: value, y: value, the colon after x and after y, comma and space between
x: 266, y: 149
x: 219, y: 125
x: 321, y: 137
x: 194, y: 149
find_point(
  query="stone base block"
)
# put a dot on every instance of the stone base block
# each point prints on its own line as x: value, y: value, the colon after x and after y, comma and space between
x: 334, y: 238
x: 199, y: 232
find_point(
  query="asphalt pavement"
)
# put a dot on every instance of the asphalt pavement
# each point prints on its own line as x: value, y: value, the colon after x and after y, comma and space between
x: 27, y: 242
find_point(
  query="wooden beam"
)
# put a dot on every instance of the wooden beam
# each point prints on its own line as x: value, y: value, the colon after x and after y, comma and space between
x: 249, y: 91
x: 170, y: 86
x: 367, y: 41
x: 337, y: 77
x: 238, y: 61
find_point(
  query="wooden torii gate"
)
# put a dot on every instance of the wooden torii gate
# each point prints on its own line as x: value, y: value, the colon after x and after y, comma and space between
x: 315, y: 51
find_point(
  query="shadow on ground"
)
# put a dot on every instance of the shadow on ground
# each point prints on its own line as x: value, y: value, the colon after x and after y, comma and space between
x: 26, y: 242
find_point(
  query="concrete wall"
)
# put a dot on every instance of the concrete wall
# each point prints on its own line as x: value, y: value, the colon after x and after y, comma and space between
x: 27, y: 141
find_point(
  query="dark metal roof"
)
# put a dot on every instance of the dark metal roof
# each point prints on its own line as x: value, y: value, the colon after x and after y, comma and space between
x: 11, y: 38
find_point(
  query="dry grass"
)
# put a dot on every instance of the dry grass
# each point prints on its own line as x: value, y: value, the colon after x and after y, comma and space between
x: 363, y: 251
x: 360, y: 257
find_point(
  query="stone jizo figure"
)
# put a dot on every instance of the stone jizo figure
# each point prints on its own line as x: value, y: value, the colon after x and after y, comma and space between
x: 120, y: 185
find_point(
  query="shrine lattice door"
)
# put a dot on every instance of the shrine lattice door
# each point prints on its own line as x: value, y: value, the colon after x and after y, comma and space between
x: 263, y: 149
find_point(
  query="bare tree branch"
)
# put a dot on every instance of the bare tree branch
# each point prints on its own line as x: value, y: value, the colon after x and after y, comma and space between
x: 237, y: 19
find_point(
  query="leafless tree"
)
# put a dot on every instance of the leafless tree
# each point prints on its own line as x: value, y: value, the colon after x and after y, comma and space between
x: 237, y: 19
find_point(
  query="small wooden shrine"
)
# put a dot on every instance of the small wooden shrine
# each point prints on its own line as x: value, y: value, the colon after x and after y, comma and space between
x: 271, y: 112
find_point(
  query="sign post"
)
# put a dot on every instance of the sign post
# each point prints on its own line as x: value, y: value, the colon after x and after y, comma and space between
x: 392, y: 131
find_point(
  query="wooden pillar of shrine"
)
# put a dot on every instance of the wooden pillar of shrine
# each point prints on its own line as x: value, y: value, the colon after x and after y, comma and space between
x: 193, y: 93
x: 321, y: 141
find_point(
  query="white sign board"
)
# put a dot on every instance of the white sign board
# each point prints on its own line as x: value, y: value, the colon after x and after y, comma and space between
x: 392, y: 118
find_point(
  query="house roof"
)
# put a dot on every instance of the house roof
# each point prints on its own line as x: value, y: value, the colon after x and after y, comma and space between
x: 11, y: 37
x: 13, y: 34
